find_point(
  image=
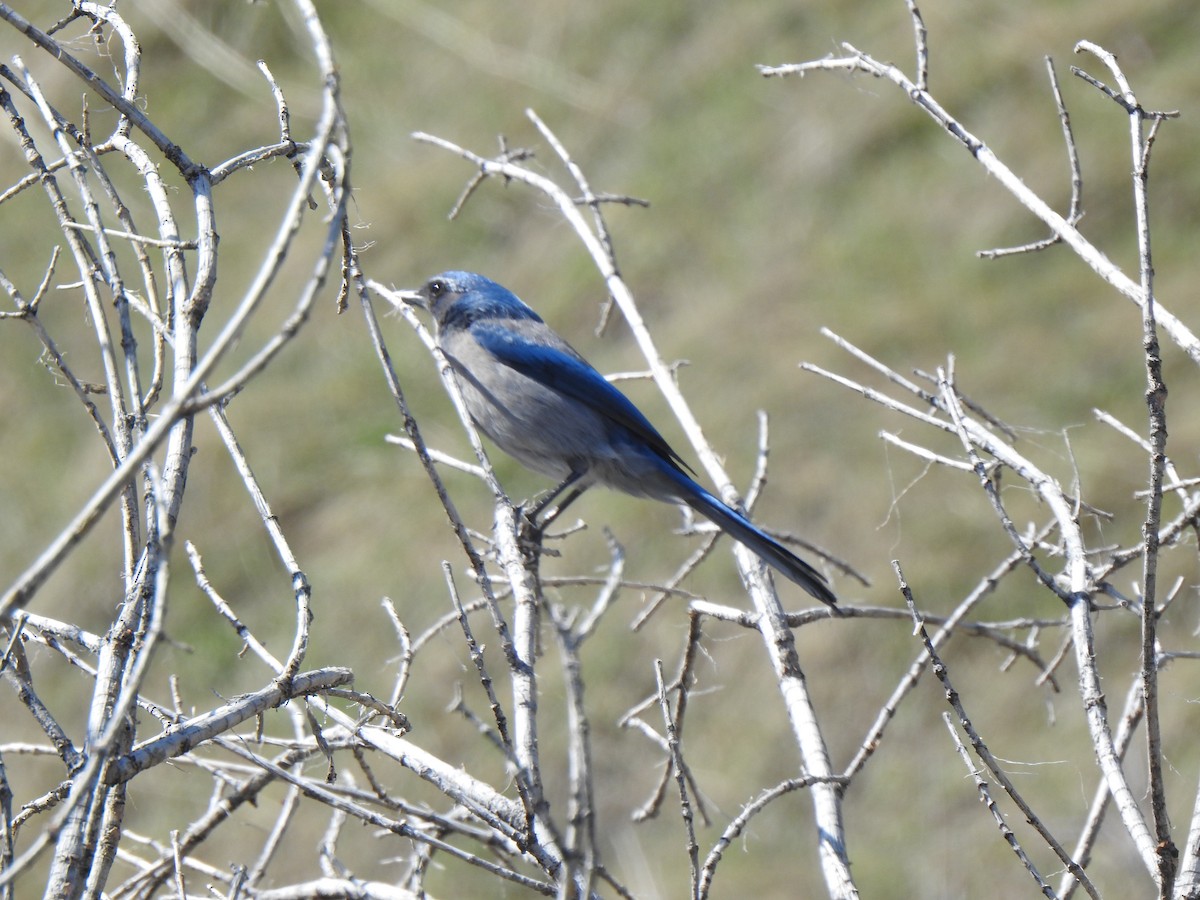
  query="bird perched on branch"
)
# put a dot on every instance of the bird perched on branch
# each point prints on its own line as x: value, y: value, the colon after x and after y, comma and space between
x: 541, y: 402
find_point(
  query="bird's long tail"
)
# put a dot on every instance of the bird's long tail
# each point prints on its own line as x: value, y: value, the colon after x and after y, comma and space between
x: 742, y: 530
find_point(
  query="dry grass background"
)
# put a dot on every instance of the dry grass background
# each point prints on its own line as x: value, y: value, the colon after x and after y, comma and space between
x: 777, y: 207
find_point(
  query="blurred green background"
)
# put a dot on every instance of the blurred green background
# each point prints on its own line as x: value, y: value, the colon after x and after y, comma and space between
x: 777, y: 207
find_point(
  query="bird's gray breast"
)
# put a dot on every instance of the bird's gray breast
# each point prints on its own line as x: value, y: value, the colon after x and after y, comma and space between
x: 536, y: 424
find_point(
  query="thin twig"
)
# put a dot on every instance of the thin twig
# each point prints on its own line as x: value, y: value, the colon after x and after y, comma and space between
x: 985, y: 756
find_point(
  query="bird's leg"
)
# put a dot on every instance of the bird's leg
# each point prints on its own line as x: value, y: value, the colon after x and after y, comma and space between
x: 535, y: 510
x: 553, y: 514
x: 535, y: 518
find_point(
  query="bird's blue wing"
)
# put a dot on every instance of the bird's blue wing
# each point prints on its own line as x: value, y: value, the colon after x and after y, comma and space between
x: 548, y: 360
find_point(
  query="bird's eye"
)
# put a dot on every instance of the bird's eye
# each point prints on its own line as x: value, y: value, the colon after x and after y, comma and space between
x: 437, y: 287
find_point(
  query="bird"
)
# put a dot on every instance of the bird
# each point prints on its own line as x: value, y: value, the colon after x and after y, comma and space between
x: 545, y: 405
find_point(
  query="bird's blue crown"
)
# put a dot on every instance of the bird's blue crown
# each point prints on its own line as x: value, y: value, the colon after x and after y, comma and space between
x: 458, y: 299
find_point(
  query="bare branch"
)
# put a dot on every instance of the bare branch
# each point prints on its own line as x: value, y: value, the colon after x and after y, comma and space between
x: 986, y: 757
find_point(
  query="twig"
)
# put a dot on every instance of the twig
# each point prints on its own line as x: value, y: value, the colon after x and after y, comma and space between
x: 857, y: 61
x: 739, y: 823
x: 302, y: 592
x: 582, y: 854
x: 946, y: 629
x: 1075, y: 210
x: 1101, y: 798
x: 985, y: 794
x: 209, y: 725
x: 685, y: 805
x: 986, y: 757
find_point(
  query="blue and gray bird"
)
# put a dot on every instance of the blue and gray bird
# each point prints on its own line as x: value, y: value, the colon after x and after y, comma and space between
x: 542, y: 403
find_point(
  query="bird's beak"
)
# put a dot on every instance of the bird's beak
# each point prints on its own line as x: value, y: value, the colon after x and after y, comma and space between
x: 412, y: 298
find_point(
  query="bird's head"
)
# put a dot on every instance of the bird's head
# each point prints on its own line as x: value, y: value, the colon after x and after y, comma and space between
x: 456, y: 299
